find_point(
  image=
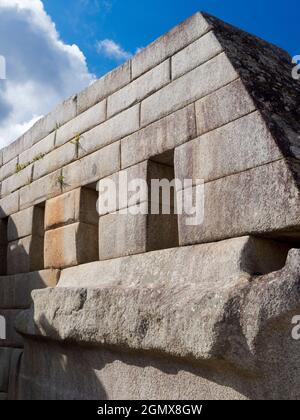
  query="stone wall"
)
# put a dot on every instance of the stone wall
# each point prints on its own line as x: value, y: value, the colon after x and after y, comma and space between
x: 147, y: 301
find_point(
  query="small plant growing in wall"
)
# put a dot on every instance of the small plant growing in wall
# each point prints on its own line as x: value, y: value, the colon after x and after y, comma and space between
x: 61, y: 180
x: 38, y: 157
x: 21, y: 166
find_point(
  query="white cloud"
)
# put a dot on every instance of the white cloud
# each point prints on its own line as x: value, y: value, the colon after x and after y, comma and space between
x: 41, y: 69
x: 111, y: 49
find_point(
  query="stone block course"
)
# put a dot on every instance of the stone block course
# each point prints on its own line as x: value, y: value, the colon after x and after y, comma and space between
x: 38, y: 150
x: 71, y: 245
x: 194, y: 85
x: 103, y: 87
x: 8, y: 169
x: 76, y: 206
x: 91, y: 168
x: 204, y: 49
x: 82, y: 123
x: 168, y: 44
x: 25, y: 223
x: 41, y: 190
x: 16, y: 181
x: 137, y: 90
x: 159, y: 137
x: 55, y: 160
x: 13, y: 339
x: 238, y: 146
x: 9, y: 204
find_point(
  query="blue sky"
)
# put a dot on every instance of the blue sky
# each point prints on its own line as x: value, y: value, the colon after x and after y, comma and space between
x: 135, y: 23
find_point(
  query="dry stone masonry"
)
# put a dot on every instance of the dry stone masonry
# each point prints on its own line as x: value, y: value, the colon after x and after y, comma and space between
x: 120, y: 306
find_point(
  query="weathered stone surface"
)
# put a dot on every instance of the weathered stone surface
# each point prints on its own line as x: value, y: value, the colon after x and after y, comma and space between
x: 76, y: 206
x: 71, y: 245
x: 194, y: 85
x: 55, y: 160
x: 168, y: 44
x: 240, y: 145
x: 17, y: 181
x: 25, y: 223
x: 228, y: 326
x: 239, y: 257
x: 91, y: 168
x: 83, y: 122
x: 8, y: 169
x: 9, y: 204
x: 159, y: 137
x: 41, y: 190
x: 270, y: 205
x: 103, y: 87
x: 144, y: 86
x: 11, y: 151
x: 13, y: 339
x: 112, y: 130
x: 223, y: 106
x: 25, y: 255
x: 41, y: 148
x: 195, y: 54
x: 16, y: 290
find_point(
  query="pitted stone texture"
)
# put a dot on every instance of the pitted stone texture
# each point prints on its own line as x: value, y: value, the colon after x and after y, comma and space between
x: 137, y: 90
x: 25, y: 255
x: 236, y: 147
x: 270, y: 205
x: 159, y: 137
x: 76, y: 206
x: 71, y: 245
x: 194, y: 85
x: 244, y: 324
x: 16, y: 290
x: 239, y: 257
x: 167, y: 45
x: 8, y: 169
x: 25, y: 223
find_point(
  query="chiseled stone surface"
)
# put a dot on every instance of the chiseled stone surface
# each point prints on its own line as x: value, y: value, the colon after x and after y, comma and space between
x: 16, y: 181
